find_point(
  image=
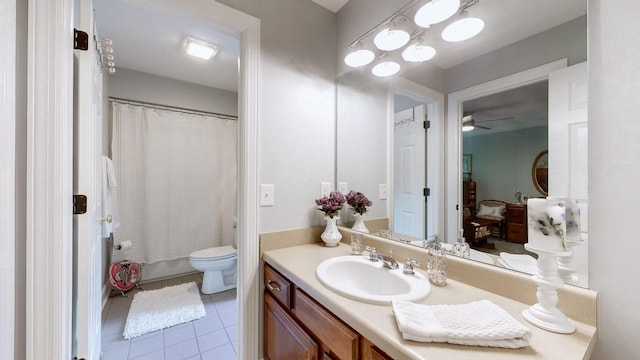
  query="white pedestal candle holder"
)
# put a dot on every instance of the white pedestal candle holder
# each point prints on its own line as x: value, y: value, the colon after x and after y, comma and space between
x: 545, y: 314
x: 566, y: 270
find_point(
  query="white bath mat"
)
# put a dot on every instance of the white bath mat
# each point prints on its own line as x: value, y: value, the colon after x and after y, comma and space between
x: 153, y: 310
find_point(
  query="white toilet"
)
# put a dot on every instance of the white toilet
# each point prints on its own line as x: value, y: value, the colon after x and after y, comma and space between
x: 219, y: 265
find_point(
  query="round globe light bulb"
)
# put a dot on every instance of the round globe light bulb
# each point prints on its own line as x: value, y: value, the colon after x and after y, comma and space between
x: 418, y: 53
x: 359, y: 58
x: 462, y: 29
x: 436, y: 11
x: 385, y: 69
x: 388, y: 39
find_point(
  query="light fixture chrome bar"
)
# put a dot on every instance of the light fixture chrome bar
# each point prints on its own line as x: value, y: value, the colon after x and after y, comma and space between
x: 384, y: 22
x: 462, y: 8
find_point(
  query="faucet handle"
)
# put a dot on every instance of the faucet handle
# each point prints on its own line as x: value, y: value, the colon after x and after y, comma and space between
x: 373, y: 255
x: 408, y: 266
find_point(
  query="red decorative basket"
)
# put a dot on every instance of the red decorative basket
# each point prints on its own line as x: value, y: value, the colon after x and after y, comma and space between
x: 125, y: 274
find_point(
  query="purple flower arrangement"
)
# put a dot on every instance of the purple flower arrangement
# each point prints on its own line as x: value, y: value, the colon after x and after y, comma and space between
x: 331, y: 204
x: 358, y: 201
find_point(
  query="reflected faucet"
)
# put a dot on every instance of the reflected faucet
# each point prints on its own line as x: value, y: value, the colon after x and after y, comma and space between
x: 429, y: 241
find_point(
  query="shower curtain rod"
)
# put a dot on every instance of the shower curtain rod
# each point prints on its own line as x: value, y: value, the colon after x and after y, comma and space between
x: 173, y: 108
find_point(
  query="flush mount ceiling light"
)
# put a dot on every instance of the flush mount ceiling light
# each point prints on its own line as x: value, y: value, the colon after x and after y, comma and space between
x: 418, y: 53
x: 385, y: 69
x: 436, y: 11
x: 462, y: 29
x: 391, y: 39
x: 200, y: 49
x: 359, y: 57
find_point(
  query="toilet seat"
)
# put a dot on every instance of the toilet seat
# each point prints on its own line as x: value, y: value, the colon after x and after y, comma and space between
x: 214, y: 253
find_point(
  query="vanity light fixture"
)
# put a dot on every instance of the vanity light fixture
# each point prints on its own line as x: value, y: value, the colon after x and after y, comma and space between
x: 107, y: 59
x: 396, y: 31
x: 200, y: 49
x: 463, y: 29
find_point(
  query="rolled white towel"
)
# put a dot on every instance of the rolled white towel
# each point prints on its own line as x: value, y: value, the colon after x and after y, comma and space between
x: 479, y: 323
x: 520, y: 262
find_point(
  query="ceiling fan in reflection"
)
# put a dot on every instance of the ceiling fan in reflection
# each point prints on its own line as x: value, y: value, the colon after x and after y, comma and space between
x: 468, y: 123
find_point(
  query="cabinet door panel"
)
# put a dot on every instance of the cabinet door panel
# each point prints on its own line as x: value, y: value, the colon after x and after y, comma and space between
x: 283, y: 338
x: 333, y: 333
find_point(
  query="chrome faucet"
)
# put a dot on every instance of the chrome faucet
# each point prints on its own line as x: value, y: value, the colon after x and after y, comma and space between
x: 387, y: 261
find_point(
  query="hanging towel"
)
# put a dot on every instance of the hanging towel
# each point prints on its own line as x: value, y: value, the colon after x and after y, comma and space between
x: 520, y: 262
x: 479, y: 323
x: 109, y: 196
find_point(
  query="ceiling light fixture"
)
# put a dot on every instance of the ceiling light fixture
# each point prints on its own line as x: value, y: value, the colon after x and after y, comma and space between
x: 200, y: 49
x: 385, y: 69
x: 463, y: 29
x: 436, y: 11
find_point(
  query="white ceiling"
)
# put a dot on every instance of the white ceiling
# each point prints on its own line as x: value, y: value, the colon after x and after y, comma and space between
x: 333, y: 5
x: 150, y: 41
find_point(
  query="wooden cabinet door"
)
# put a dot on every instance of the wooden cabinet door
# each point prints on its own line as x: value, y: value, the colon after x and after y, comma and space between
x: 372, y: 352
x: 283, y: 338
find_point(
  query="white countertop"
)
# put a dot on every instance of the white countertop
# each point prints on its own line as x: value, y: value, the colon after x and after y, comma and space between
x: 377, y: 323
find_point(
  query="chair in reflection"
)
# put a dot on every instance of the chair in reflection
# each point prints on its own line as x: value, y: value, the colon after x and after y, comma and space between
x: 495, y: 212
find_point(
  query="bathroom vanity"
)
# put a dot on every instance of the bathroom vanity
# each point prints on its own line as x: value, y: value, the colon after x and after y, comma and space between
x: 301, y: 313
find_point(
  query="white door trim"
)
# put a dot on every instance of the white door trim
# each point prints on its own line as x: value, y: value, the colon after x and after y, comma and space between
x: 49, y: 179
x: 49, y: 173
x: 8, y: 25
x: 454, y: 134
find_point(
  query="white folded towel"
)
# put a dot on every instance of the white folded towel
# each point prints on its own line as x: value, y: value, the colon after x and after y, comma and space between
x: 521, y: 262
x: 479, y: 323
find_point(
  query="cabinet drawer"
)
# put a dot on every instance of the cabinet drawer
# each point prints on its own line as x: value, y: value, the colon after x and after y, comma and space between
x: 516, y: 233
x: 278, y: 286
x: 516, y: 216
x: 332, y: 333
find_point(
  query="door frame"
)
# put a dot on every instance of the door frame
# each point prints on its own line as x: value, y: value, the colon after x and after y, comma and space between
x: 49, y: 172
x: 8, y: 119
x: 453, y: 174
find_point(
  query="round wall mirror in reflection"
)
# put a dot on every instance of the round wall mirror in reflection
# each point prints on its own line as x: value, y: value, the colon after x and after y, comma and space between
x: 539, y: 173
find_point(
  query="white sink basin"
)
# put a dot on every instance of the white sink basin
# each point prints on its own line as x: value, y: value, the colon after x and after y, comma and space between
x: 358, y: 278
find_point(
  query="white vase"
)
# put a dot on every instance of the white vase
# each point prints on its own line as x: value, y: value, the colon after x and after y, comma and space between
x: 331, y: 236
x: 359, y: 225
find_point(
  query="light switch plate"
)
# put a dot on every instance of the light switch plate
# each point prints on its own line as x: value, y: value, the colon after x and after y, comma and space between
x: 383, y: 191
x: 266, y: 195
x: 343, y: 188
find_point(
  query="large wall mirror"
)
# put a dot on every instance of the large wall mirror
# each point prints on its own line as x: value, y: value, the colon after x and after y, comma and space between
x: 504, y: 85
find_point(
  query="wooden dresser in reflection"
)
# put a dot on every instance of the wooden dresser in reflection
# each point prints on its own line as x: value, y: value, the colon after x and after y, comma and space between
x: 517, y: 223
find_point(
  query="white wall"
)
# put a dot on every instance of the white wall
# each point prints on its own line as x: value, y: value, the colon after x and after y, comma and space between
x: 139, y: 86
x: 614, y: 264
x: 501, y: 162
x: 297, y: 107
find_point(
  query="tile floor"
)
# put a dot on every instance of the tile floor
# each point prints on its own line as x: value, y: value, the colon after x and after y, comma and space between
x: 211, y: 337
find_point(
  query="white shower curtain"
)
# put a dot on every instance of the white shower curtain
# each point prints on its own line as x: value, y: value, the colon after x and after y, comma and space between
x: 177, y: 181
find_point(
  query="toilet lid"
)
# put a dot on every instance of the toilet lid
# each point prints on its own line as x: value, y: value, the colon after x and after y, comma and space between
x: 218, y: 252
